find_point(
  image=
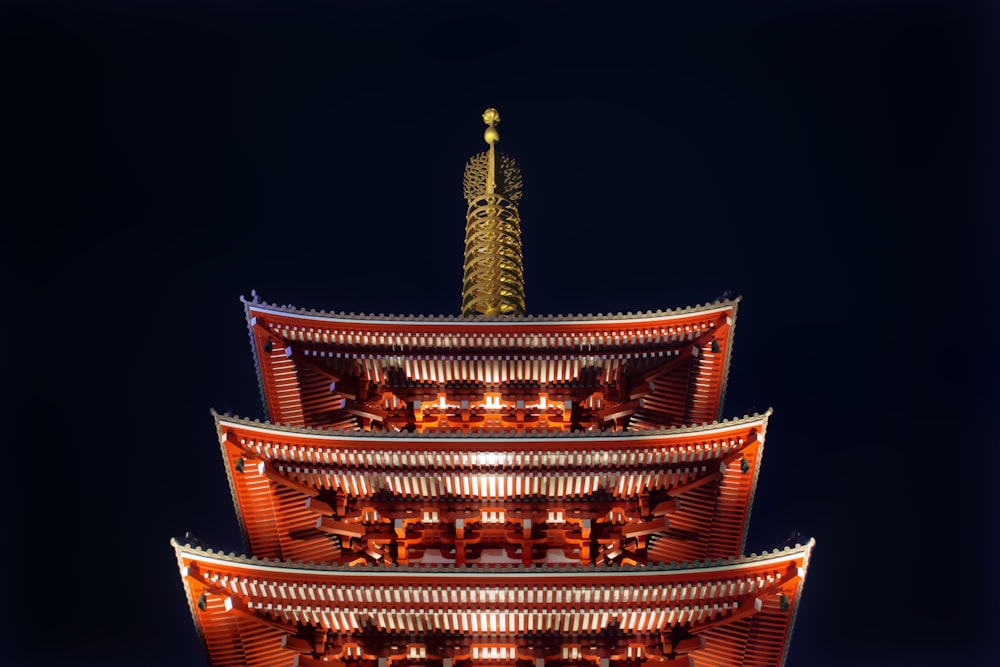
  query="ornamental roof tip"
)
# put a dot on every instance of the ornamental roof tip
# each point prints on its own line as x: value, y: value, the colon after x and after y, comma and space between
x: 513, y: 568
x: 486, y: 434
x: 630, y: 315
x: 228, y: 414
x: 190, y: 542
x: 798, y: 546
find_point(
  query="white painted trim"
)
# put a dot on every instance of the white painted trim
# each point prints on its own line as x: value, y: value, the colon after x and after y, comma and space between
x: 401, y: 320
x: 475, y: 574
x: 679, y: 433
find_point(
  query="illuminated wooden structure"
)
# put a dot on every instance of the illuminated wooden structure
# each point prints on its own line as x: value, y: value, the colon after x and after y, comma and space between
x: 634, y: 371
x: 495, y: 489
x: 260, y: 612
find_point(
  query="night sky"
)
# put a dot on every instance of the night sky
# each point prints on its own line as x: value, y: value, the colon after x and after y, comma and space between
x: 836, y: 166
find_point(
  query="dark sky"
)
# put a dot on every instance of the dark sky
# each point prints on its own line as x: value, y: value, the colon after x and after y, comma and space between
x: 836, y: 165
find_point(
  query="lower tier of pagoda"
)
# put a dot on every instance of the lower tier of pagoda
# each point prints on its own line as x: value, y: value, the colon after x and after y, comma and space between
x: 706, y: 614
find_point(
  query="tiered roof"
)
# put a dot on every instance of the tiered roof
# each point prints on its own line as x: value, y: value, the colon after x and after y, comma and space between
x: 733, y: 612
x: 515, y: 490
x: 705, y: 475
x: 638, y: 370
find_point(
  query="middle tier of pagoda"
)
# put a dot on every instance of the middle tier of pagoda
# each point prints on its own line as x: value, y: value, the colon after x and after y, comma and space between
x: 357, y: 497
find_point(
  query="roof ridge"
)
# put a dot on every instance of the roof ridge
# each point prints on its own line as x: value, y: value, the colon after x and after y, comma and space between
x: 579, y: 317
x: 185, y: 545
x: 487, y: 434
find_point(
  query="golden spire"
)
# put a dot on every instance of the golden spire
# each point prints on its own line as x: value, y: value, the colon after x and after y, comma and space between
x: 494, y: 274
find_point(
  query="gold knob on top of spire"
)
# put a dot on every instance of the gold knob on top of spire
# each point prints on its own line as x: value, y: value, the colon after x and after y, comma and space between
x: 494, y: 277
x: 492, y: 118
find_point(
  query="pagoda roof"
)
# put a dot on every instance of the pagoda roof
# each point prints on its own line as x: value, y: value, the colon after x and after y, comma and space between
x: 701, y: 466
x: 462, y: 320
x: 537, y: 434
x: 316, y: 367
x: 742, y: 609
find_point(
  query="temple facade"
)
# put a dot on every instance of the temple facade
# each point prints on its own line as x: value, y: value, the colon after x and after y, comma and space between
x: 494, y: 487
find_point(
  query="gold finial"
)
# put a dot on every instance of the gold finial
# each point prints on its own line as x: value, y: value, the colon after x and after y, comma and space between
x: 494, y: 278
x: 491, y: 117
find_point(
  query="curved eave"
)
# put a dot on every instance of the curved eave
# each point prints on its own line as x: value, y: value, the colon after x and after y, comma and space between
x: 562, y: 574
x: 179, y: 554
x: 649, y: 316
x: 309, y: 459
x: 798, y: 600
x: 233, y: 494
x: 256, y: 362
x: 731, y: 337
x: 758, y: 463
x: 238, y: 589
x: 297, y: 355
x: 395, y: 439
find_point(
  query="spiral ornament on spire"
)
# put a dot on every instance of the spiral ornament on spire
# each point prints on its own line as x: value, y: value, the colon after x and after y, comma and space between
x: 494, y: 272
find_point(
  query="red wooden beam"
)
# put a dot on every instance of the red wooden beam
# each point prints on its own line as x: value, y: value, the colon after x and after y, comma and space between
x: 232, y: 604
x: 271, y: 472
x: 619, y: 411
x: 328, y: 525
x: 359, y: 409
x: 645, y: 527
x: 303, y: 359
x: 723, y: 464
x: 688, y: 351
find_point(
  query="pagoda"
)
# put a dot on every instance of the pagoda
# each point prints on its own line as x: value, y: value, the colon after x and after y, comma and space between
x: 493, y: 488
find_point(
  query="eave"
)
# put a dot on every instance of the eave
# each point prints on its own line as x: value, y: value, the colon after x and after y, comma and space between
x: 654, y: 368
x: 288, y: 470
x: 734, y: 612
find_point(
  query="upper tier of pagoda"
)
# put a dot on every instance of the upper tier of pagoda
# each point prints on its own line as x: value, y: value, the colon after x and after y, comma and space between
x: 603, y: 372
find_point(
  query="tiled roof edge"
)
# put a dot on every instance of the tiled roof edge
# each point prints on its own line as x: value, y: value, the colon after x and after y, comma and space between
x: 187, y: 594
x: 798, y: 600
x: 727, y: 364
x: 232, y: 482
x: 184, y: 546
x: 579, y: 317
x: 568, y: 435
x: 756, y: 476
x: 256, y: 358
